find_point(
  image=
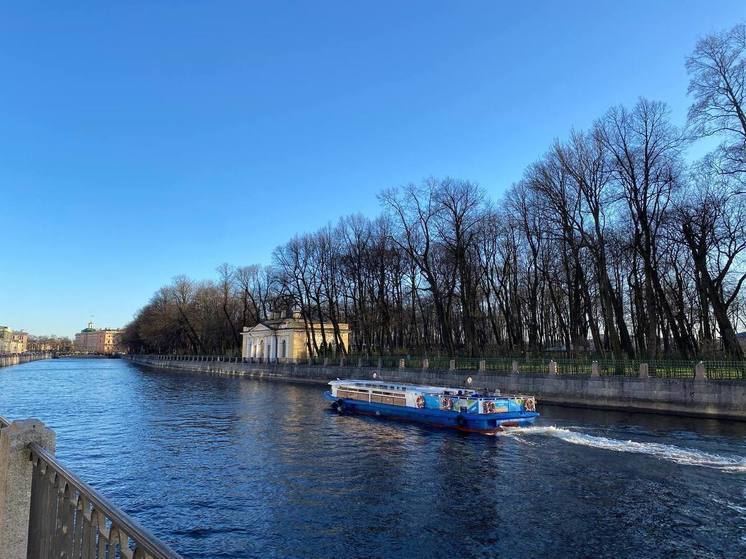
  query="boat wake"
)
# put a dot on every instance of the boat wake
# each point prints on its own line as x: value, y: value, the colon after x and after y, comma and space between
x: 679, y: 455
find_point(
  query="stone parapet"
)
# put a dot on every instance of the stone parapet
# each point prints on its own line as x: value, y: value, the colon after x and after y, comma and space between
x: 15, y: 482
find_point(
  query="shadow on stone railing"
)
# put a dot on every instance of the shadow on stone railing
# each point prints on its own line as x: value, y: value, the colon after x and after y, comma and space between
x: 46, y: 511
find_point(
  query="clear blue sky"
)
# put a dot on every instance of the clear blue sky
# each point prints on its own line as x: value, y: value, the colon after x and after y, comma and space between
x: 141, y: 140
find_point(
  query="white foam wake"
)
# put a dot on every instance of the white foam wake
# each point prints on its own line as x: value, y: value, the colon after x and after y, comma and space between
x: 679, y: 455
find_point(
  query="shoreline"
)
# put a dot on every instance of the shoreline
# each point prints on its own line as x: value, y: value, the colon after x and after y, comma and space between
x: 682, y: 397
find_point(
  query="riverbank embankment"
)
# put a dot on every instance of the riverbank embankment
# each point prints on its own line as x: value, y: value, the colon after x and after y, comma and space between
x: 722, y: 399
x: 18, y: 358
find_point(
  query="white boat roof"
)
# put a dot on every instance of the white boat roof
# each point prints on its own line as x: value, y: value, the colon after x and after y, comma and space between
x: 398, y: 385
x: 422, y: 388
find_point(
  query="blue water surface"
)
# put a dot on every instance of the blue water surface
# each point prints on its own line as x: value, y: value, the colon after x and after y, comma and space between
x: 232, y: 468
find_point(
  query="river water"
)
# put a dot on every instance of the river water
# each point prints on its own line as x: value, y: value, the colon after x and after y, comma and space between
x: 229, y: 468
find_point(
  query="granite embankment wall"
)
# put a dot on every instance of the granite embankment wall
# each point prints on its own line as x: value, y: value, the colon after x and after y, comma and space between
x: 724, y: 399
x: 18, y: 358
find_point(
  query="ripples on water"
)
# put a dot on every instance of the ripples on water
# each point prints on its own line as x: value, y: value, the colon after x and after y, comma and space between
x: 689, y: 456
x: 229, y: 468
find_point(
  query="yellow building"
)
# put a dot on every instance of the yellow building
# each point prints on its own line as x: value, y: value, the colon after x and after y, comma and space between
x: 12, y: 342
x: 285, y: 339
x: 90, y: 340
x: 20, y: 339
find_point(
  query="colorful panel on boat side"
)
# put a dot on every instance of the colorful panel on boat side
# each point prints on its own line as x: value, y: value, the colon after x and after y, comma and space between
x: 432, y: 401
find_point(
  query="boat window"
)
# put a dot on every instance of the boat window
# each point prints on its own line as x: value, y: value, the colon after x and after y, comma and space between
x: 391, y: 398
x: 352, y: 393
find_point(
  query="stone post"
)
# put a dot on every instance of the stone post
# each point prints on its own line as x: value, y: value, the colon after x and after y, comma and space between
x: 426, y: 363
x: 359, y: 362
x: 514, y: 369
x: 15, y: 482
x: 452, y: 365
x: 341, y: 361
x: 594, y: 370
x: 699, y: 371
x: 552, y: 367
x: 326, y: 361
x: 644, y: 370
x: 380, y: 363
x: 401, y: 363
x: 482, y: 364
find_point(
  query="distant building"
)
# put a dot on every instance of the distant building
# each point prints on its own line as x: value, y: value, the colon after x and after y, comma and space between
x: 6, y: 335
x: 91, y: 340
x: 286, y: 338
x: 12, y: 342
x: 20, y: 339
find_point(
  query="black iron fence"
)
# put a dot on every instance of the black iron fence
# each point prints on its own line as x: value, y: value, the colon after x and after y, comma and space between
x: 681, y: 369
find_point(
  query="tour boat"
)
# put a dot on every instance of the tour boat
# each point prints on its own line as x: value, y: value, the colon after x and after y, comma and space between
x: 459, y: 408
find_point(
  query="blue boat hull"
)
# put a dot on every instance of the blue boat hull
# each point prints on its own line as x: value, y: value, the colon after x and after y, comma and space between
x: 480, y: 423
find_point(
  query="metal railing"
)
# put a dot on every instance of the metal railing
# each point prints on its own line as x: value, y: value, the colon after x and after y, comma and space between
x: 725, y: 370
x: 673, y: 369
x: 70, y: 519
x: 225, y: 359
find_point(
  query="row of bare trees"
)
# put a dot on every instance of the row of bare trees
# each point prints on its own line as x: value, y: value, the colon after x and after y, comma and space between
x: 611, y: 243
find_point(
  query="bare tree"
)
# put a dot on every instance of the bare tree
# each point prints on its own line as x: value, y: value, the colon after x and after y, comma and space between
x: 718, y: 85
x: 645, y: 153
x: 712, y: 219
x: 415, y: 210
x: 609, y: 244
x: 226, y: 284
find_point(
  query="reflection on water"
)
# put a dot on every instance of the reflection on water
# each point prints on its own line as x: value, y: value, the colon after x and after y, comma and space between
x: 223, y: 467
